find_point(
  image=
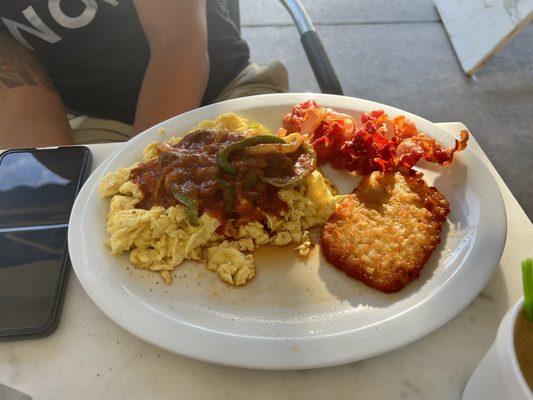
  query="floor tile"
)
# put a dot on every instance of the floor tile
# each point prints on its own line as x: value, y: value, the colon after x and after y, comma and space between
x: 269, y: 12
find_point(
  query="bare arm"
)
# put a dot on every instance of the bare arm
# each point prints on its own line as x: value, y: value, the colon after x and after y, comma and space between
x: 177, y: 73
x: 31, y: 112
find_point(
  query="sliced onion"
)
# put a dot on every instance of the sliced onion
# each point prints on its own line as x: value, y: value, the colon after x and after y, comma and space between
x: 281, y: 132
x: 251, y: 132
x: 293, y: 143
x: 164, y: 147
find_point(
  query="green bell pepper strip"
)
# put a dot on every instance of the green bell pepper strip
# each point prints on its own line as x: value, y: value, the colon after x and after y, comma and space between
x: 191, y: 207
x: 230, y: 196
x: 527, y: 276
x: 224, y: 155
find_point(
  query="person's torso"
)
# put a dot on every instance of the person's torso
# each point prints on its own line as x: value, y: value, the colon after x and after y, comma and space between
x: 96, y: 53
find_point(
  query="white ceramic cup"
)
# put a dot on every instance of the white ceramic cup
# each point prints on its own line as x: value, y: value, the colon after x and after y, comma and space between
x: 498, y: 375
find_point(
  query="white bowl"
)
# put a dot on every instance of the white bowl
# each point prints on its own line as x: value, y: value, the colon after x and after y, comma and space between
x: 498, y: 375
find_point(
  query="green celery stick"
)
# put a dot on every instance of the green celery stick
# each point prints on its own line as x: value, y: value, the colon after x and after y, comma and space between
x: 527, y: 275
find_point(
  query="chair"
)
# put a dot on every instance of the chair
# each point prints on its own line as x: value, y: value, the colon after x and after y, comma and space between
x: 316, y: 54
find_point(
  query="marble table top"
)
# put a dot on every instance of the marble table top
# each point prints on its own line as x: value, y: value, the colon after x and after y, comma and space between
x: 89, y: 357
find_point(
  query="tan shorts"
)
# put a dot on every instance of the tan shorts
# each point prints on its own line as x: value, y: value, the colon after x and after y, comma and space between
x: 257, y: 79
x: 254, y: 79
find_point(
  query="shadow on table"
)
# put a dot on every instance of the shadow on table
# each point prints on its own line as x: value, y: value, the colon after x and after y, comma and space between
x: 493, y: 300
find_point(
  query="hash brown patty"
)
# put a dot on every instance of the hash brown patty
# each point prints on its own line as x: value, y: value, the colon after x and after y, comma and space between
x: 385, y: 231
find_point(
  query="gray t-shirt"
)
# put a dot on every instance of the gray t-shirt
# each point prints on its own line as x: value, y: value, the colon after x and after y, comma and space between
x: 96, y: 53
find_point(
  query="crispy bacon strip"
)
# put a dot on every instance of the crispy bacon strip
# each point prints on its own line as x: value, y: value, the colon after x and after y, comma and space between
x: 378, y: 144
x: 412, y: 144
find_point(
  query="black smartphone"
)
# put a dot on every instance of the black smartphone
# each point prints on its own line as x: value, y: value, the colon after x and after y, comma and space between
x: 37, y: 191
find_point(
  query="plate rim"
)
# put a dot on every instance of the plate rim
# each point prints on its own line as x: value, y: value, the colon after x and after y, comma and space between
x: 294, y: 352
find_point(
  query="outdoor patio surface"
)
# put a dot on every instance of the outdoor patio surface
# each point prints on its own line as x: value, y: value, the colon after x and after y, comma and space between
x: 397, y: 52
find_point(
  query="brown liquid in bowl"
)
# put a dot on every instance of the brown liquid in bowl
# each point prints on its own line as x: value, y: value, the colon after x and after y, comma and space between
x: 523, y: 342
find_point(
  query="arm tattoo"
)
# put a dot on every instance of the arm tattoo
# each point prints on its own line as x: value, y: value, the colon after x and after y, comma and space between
x: 18, y: 67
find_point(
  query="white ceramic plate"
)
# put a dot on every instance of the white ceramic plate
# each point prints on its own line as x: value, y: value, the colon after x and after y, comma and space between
x: 296, y: 312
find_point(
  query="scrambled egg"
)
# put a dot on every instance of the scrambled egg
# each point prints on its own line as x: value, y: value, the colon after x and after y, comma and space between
x: 160, y: 239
